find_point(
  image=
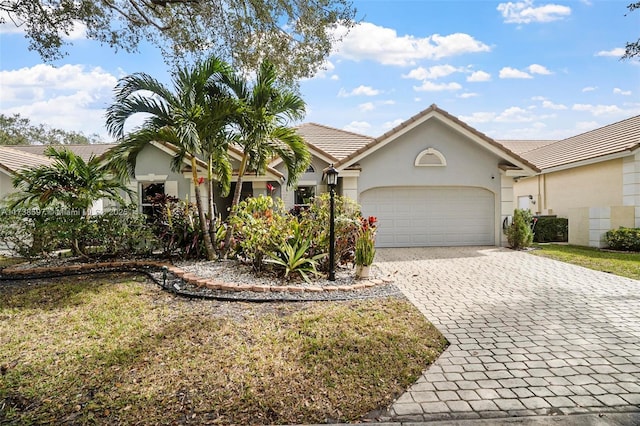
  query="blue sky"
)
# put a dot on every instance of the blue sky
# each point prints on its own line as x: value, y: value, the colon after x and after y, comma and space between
x: 529, y: 69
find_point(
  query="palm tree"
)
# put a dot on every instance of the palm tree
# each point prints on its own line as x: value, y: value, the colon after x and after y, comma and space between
x: 68, y: 182
x: 191, y: 118
x: 260, y: 122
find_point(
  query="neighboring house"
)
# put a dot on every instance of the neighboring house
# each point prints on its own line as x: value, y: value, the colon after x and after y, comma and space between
x: 593, y: 179
x: 434, y: 181
x: 13, y: 160
x: 431, y: 181
x: 18, y: 157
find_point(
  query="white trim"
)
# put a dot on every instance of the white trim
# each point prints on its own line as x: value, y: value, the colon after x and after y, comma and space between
x: 430, y: 151
x: 349, y: 173
x: 528, y: 171
x: 151, y: 178
x: 590, y: 161
x: 389, y: 138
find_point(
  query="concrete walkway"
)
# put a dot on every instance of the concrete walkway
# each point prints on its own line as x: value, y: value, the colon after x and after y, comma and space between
x: 529, y: 336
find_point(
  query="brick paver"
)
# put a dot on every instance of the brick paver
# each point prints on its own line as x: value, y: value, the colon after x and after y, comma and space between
x: 528, y: 335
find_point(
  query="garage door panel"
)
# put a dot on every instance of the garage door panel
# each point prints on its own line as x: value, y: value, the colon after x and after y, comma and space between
x: 431, y: 216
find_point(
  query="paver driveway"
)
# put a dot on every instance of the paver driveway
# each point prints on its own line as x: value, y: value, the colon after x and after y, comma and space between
x: 529, y: 335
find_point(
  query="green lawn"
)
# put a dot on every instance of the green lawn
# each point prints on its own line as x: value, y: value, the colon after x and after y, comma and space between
x: 117, y: 350
x: 619, y: 263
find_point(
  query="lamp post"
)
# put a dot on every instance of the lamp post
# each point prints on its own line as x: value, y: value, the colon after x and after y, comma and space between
x: 332, y: 180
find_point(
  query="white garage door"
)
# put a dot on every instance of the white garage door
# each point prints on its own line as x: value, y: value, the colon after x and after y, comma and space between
x: 431, y: 216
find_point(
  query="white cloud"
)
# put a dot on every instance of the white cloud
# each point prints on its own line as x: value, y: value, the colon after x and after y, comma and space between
x: 515, y: 115
x: 598, y: 109
x: 548, y: 104
x: 391, y: 124
x: 585, y: 126
x: 325, y: 70
x: 359, y: 91
x: 467, y: 95
x: 335, y: 77
x: 524, y: 12
x: 616, y: 52
x: 431, y: 73
x: 551, y: 105
x: 508, y: 72
x: 70, y: 97
x: 357, y: 127
x: 510, y: 115
x: 589, y: 89
x: 479, y: 76
x: 429, y: 86
x: 478, y: 117
x: 538, y: 69
x: 619, y: 91
x: 367, y: 41
x: 367, y: 106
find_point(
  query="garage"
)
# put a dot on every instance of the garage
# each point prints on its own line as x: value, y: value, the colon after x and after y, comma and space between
x: 431, y: 216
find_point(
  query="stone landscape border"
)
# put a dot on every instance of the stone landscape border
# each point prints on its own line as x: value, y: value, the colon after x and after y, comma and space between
x: 13, y: 272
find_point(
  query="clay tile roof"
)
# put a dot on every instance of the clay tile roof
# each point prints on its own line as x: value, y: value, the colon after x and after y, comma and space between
x: 85, y: 151
x: 337, y: 144
x: 521, y: 146
x: 435, y: 109
x: 12, y: 159
x: 611, y: 139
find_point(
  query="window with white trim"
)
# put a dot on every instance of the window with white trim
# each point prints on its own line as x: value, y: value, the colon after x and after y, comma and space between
x: 304, y: 194
x: 430, y: 157
x: 148, y: 191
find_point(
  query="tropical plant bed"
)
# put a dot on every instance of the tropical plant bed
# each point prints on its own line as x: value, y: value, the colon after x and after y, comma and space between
x: 114, y: 350
x: 625, y: 264
x: 222, y: 279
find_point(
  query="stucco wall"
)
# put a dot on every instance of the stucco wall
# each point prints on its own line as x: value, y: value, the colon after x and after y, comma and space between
x: 153, y: 165
x: 6, y: 187
x: 305, y: 179
x: 468, y: 164
x: 593, y: 185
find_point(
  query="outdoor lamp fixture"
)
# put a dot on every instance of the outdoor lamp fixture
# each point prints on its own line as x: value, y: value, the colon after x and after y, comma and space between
x: 332, y: 180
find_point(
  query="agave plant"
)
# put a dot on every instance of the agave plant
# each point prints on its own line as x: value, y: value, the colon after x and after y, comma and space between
x: 293, y: 258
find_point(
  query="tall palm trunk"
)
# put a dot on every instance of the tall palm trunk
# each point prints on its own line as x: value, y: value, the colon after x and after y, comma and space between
x: 212, y: 213
x: 211, y: 254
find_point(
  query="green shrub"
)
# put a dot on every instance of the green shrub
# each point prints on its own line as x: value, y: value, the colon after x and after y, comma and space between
x: 261, y: 226
x: 262, y: 229
x: 519, y: 234
x: 120, y: 231
x: 627, y: 239
x: 347, y: 225
x: 176, y: 225
x: 33, y: 233
x: 292, y: 257
x: 551, y: 229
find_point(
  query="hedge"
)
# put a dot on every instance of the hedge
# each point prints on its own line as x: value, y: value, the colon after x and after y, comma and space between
x: 627, y: 239
x: 551, y: 229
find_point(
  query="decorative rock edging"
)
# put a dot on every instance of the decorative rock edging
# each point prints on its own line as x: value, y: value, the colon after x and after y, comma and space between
x: 186, y: 277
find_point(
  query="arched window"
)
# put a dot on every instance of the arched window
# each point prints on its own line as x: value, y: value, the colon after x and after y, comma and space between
x: 430, y: 157
x: 310, y: 169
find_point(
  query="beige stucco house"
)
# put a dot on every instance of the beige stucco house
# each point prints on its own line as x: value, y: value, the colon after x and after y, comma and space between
x: 593, y: 179
x: 432, y: 181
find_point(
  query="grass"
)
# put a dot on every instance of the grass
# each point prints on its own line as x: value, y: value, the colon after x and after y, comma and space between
x: 619, y: 263
x: 116, y: 350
